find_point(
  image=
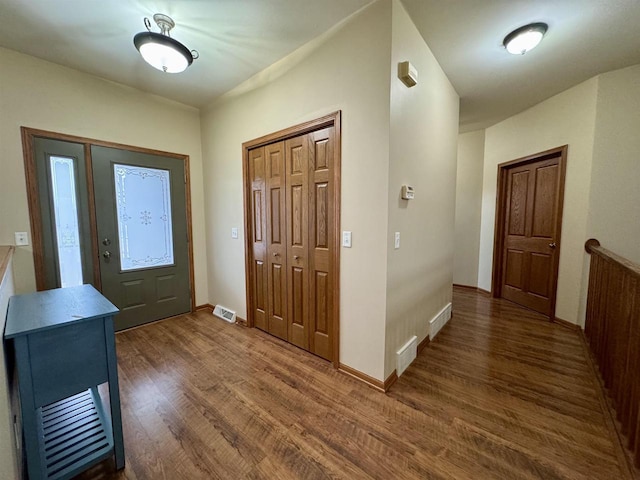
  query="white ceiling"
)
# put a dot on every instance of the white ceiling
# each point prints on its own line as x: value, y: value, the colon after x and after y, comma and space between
x: 235, y: 38
x: 585, y: 38
x: 238, y: 38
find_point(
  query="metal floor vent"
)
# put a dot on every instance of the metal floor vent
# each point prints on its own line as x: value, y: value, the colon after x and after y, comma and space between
x: 225, y: 314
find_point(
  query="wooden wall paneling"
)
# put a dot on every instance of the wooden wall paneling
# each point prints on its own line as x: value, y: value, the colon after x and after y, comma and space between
x: 620, y: 383
x: 274, y: 156
x: 626, y: 395
x: 613, y: 330
x: 297, y: 182
x: 632, y: 401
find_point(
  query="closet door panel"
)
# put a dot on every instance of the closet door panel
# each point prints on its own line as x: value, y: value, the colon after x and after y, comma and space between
x: 297, y: 162
x: 321, y: 278
x: 259, y: 297
x: 276, y: 240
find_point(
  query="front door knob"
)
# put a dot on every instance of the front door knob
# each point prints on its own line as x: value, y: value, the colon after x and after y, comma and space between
x: 107, y: 254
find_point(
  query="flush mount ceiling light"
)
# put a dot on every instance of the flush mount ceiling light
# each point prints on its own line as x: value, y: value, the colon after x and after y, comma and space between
x: 526, y: 38
x: 160, y: 50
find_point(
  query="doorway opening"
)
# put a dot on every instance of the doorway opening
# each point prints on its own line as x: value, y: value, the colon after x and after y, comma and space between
x: 530, y: 197
x: 114, y: 216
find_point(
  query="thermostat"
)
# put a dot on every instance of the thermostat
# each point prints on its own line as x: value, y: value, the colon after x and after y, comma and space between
x: 407, y: 192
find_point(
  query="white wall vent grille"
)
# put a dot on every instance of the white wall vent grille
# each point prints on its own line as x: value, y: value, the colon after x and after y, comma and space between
x: 406, y: 355
x: 439, y: 321
x: 225, y: 314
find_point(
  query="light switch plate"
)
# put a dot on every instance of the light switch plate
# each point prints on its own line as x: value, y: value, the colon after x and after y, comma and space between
x: 234, y: 232
x: 346, y: 239
x: 397, y: 241
x: 21, y: 239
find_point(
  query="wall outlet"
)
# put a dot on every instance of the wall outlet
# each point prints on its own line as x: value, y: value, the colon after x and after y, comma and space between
x: 396, y: 243
x: 346, y: 239
x: 21, y: 239
x: 234, y: 232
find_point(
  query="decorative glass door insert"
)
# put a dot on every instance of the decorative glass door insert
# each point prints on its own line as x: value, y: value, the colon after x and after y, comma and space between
x: 143, y: 204
x: 67, y: 230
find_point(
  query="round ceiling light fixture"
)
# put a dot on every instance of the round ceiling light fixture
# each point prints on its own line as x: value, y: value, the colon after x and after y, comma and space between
x: 526, y: 38
x: 160, y: 50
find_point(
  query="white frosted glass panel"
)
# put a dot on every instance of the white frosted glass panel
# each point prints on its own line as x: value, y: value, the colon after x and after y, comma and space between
x: 143, y: 202
x: 65, y: 207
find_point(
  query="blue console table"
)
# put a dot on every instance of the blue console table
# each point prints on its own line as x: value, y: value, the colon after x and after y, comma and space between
x: 64, y: 347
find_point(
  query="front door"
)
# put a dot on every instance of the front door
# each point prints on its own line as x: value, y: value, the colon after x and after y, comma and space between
x: 142, y: 234
x: 531, y: 203
x: 114, y: 218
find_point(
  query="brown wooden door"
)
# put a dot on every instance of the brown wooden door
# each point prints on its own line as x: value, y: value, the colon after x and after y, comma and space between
x: 276, y: 240
x: 293, y: 254
x: 321, y: 230
x: 297, y: 164
x: 258, y: 276
x: 532, y: 219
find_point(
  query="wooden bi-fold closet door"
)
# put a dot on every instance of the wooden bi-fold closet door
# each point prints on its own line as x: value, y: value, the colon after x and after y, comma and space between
x: 292, y: 222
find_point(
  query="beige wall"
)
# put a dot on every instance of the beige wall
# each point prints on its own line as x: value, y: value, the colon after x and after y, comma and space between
x: 42, y: 95
x: 347, y: 70
x: 567, y: 118
x: 468, y: 208
x: 424, y: 131
x: 8, y: 455
x: 614, y: 204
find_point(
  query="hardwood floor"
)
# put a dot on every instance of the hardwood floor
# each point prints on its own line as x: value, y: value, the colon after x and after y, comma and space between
x: 501, y: 393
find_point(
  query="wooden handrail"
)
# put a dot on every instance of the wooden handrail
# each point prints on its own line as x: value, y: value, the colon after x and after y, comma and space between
x: 592, y: 246
x: 612, y: 328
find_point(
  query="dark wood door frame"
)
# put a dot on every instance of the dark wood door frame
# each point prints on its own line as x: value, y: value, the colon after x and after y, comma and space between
x: 501, y: 198
x: 331, y: 120
x: 28, y: 137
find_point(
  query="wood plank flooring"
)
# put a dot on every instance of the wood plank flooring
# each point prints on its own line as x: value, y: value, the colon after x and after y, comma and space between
x: 501, y: 393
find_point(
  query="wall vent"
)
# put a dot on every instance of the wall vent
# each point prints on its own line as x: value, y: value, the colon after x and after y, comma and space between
x: 406, y: 355
x: 225, y: 314
x: 439, y: 321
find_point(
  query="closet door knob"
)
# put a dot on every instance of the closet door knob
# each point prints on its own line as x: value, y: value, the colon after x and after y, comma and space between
x: 276, y: 254
x: 296, y: 257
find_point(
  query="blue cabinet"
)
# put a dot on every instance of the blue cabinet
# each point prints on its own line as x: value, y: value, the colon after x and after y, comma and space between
x: 64, y: 347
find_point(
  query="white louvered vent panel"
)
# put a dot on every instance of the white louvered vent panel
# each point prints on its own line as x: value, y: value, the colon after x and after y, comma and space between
x: 439, y: 321
x: 406, y: 355
x: 225, y: 314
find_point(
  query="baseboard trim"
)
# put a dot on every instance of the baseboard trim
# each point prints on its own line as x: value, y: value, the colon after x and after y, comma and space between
x: 423, y: 344
x: 205, y: 306
x: 372, y: 382
x: 391, y: 379
x: 566, y: 324
x: 475, y: 289
x: 241, y: 321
